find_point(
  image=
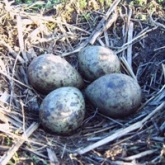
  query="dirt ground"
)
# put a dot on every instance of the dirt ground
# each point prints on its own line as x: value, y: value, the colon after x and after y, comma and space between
x: 26, y: 32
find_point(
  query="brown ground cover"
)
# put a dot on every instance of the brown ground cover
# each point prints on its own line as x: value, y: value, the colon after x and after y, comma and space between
x: 135, y: 32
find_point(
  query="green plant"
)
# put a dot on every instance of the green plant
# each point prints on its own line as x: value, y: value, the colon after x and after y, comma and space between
x: 101, y: 2
x: 87, y: 16
x: 160, y: 1
x: 16, y: 158
x: 24, y: 1
x: 39, y: 161
x: 139, y: 2
x: 83, y: 4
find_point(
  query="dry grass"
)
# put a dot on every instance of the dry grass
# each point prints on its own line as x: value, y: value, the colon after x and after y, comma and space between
x: 136, y: 34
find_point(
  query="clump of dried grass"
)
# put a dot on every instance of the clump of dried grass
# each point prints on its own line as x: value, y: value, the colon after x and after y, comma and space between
x: 100, y: 140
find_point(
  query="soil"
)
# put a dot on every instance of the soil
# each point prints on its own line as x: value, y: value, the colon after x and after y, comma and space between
x: 136, y: 139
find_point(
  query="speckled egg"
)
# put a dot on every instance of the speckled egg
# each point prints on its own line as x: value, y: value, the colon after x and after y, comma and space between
x: 96, y: 61
x: 62, y: 110
x: 116, y: 95
x: 48, y: 72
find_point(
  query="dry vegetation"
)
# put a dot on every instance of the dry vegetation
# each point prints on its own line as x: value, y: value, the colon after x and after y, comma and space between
x: 136, y: 32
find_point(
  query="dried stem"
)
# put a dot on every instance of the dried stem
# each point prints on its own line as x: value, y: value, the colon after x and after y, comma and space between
x: 6, y: 157
x: 122, y: 132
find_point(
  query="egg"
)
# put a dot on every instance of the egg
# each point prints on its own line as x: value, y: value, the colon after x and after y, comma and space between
x: 115, y: 95
x: 96, y: 61
x: 48, y: 72
x: 62, y: 110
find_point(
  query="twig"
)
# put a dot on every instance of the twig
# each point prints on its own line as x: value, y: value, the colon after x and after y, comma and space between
x: 106, y: 38
x: 4, y: 148
x: 156, y: 49
x: 82, y: 45
x: 4, y: 97
x: 63, y: 151
x: 6, y: 157
x: 101, y: 27
x: 105, y: 26
x: 12, y: 119
x: 154, y: 22
x: 129, y: 49
x: 12, y: 85
x: 20, y: 33
x: 120, y: 133
x: 20, y: 37
x: 19, y: 82
x: 153, y: 97
x: 52, y: 157
x: 15, y: 55
x: 4, y: 128
x: 163, y: 68
x: 8, y: 5
x: 2, y: 65
x: 23, y: 115
x: 128, y: 67
x: 37, y: 153
x: 100, y: 41
x: 140, y: 155
x: 138, y: 37
x: 125, y: 163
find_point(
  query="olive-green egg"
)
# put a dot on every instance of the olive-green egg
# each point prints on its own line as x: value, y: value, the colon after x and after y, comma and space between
x: 48, y: 72
x: 62, y: 110
x: 96, y: 61
x: 116, y: 95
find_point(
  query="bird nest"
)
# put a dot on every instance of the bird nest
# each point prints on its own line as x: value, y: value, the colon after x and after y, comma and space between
x: 135, y: 32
